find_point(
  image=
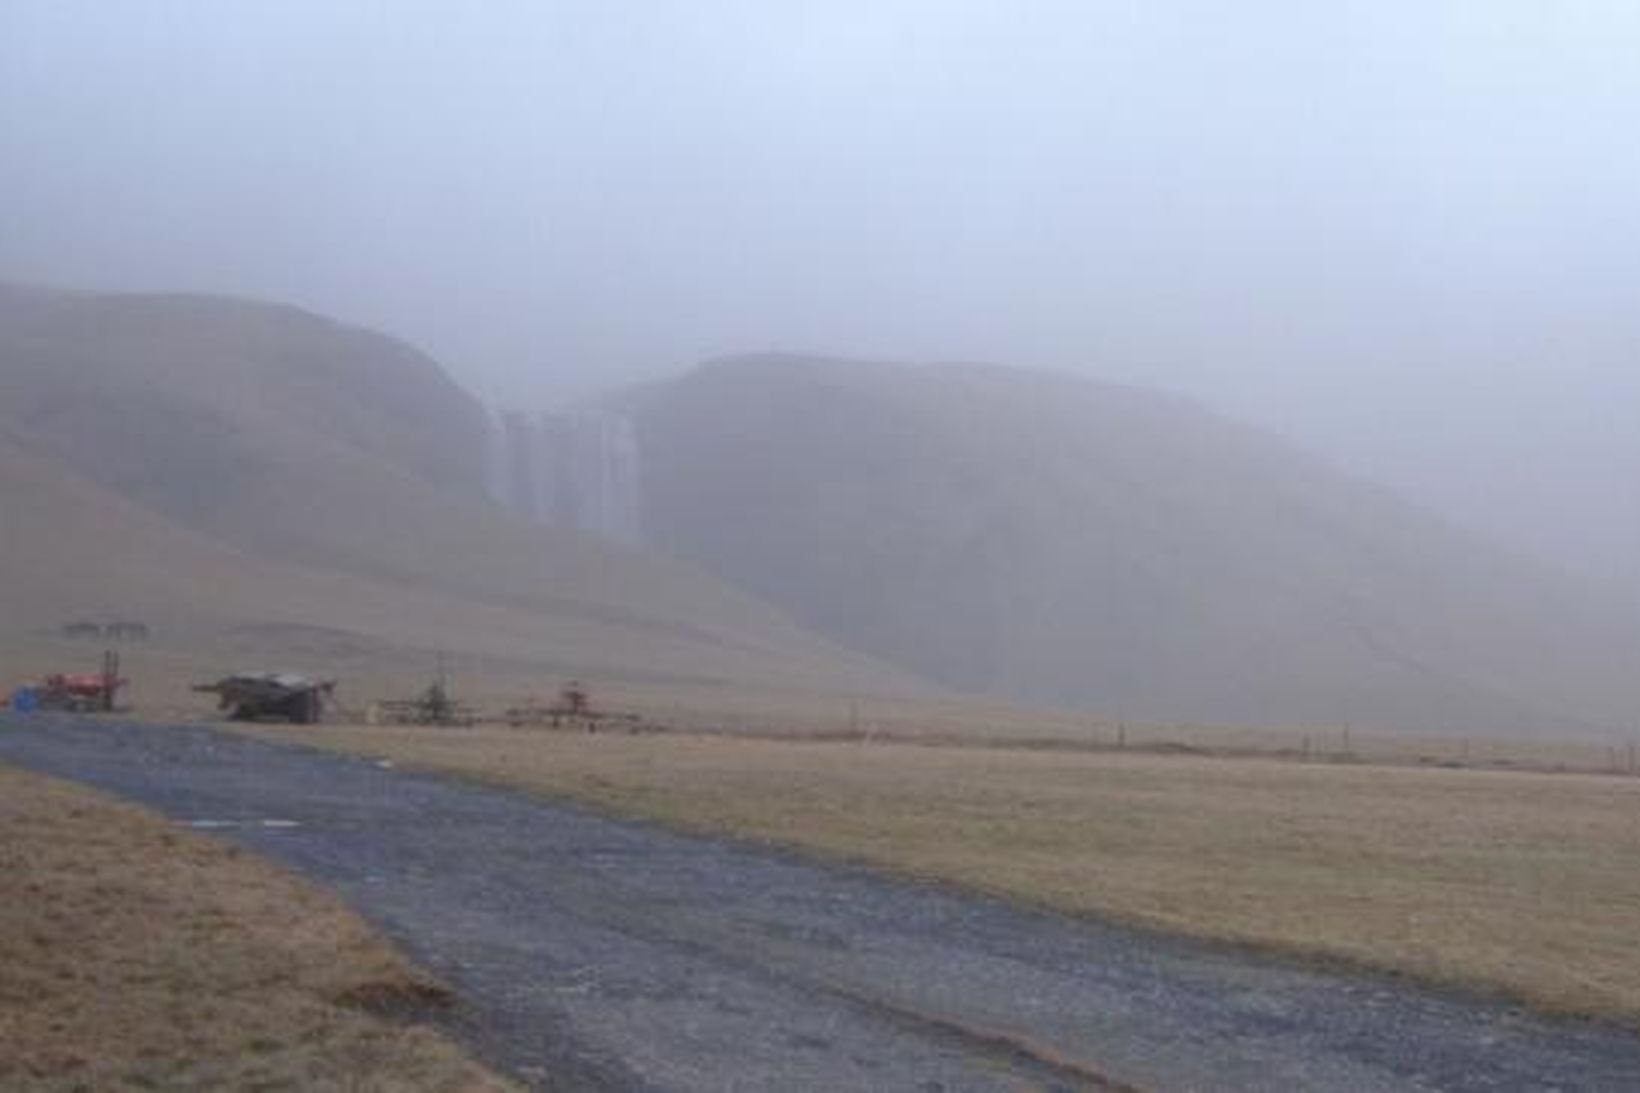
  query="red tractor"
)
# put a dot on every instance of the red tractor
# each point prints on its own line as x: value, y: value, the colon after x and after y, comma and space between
x: 84, y: 692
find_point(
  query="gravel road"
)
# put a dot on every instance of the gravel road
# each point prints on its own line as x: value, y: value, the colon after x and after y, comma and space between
x: 608, y: 955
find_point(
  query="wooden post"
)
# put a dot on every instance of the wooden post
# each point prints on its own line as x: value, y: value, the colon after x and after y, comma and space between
x: 110, y: 680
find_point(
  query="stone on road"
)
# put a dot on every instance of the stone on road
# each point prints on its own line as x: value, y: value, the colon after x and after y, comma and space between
x: 593, y: 953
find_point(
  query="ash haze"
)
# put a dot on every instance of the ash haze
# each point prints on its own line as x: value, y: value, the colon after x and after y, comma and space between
x: 1403, y: 232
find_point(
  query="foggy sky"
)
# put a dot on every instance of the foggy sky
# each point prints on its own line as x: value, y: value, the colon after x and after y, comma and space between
x: 1403, y: 232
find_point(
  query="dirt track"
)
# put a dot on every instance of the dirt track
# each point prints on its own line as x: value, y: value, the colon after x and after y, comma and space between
x: 611, y: 955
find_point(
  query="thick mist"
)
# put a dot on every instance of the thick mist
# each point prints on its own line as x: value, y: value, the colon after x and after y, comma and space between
x: 1404, y: 233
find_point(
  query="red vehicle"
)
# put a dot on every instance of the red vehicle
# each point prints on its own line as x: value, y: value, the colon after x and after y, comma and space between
x: 84, y: 692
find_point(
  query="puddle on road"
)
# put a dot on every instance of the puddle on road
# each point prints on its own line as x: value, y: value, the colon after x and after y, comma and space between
x: 217, y: 825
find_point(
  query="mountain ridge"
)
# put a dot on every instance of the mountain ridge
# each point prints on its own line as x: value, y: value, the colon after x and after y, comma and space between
x: 218, y: 464
x: 1052, y: 538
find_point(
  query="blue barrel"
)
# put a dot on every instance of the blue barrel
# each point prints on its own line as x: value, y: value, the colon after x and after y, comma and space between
x: 25, y: 699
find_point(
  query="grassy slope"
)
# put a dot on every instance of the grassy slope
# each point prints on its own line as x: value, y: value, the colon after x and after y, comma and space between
x: 1522, y: 883
x: 209, y: 464
x: 1056, y: 539
x: 140, y: 956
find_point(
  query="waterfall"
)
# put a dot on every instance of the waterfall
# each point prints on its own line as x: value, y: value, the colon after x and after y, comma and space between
x: 521, y: 450
x: 497, y: 460
x: 575, y: 470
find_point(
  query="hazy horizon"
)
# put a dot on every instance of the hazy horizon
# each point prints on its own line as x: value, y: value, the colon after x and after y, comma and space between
x: 1400, y: 233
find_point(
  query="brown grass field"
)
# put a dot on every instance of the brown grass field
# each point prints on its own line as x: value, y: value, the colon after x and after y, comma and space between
x: 164, y: 673
x: 140, y: 956
x: 1521, y: 883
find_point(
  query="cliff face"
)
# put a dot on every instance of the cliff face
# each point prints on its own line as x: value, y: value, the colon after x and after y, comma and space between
x: 1055, y: 539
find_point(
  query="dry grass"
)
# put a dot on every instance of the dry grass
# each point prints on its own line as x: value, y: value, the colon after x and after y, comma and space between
x: 164, y: 672
x: 137, y: 956
x: 978, y: 723
x: 1524, y: 883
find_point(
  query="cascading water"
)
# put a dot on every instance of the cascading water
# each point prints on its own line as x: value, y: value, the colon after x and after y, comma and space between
x: 497, y: 466
x: 571, y: 470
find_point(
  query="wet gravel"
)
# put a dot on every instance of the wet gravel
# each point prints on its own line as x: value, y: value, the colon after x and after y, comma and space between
x: 590, y: 953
